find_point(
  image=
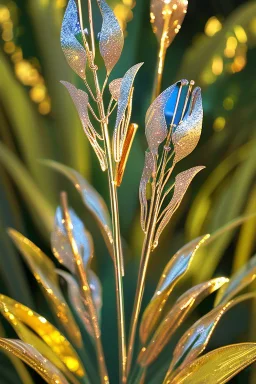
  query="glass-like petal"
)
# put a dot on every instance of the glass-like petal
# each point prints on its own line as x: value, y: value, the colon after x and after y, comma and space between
x: 74, y: 52
x: 43, y: 270
x: 186, y: 135
x: 182, y: 182
x: 34, y: 359
x: 111, y: 37
x: 175, y: 269
x: 176, y: 316
x: 80, y: 99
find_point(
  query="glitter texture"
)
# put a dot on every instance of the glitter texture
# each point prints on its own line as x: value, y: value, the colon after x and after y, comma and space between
x: 74, y: 52
x: 156, y: 127
x: 187, y: 134
x: 80, y: 99
x: 115, y: 88
x: 182, y: 182
x: 111, y: 37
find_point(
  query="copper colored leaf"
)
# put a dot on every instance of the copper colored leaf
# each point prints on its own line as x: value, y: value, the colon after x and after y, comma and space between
x: 166, y: 18
x: 182, y: 182
x: 173, y: 272
x: 60, y: 242
x: 176, y: 316
x: 74, y: 52
x: 238, y: 282
x: 81, y: 101
x: 148, y: 170
x: 34, y: 359
x: 43, y: 270
x: 218, y: 366
x: 91, y: 198
x: 59, y: 350
x: 115, y: 88
x: 187, y: 134
x: 156, y: 126
x: 111, y: 37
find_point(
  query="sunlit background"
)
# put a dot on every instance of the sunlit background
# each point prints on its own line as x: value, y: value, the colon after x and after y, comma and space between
x: 216, y: 47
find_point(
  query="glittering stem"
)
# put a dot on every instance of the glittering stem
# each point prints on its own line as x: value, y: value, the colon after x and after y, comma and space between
x: 91, y: 27
x: 85, y: 290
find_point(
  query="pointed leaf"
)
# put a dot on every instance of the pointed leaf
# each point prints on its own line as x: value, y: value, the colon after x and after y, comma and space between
x: 218, y: 366
x: 238, y: 282
x: 111, y: 37
x: 187, y: 134
x: 74, y: 52
x: 34, y: 359
x: 182, y: 182
x: 43, y: 270
x: 173, y: 272
x: 23, y: 319
x: 81, y: 101
x: 176, y: 316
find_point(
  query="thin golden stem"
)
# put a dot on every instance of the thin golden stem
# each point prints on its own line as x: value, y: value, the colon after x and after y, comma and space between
x: 91, y: 27
x: 85, y: 290
x: 159, y: 71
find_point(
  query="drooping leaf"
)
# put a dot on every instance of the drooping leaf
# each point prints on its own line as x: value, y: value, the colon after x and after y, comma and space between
x: 176, y: 316
x: 81, y: 101
x: 187, y: 134
x: 182, y: 182
x: 218, y: 366
x: 34, y: 359
x: 91, y: 198
x: 74, y: 52
x: 237, y: 282
x: 59, y: 350
x: 43, y: 270
x: 111, y: 37
x: 115, y: 88
x: 175, y: 269
x: 166, y: 18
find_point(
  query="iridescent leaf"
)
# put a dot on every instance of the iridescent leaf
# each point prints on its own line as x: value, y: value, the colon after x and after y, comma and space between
x: 148, y: 170
x: 34, y: 359
x: 218, y: 366
x: 74, y: 52
x: 81, y: 101
x: 182, y: 182
x: 186, y: 135
x: 123, y: 101
x: 60, y: 242
x: 176, y: 316
x: 156, y: 126
x: 166, y: 18
x: 238, y: 282
x: 91, y: 198
x: 175, y: 269
x: 43, y: 270
x: 115, y: 88
x: 111, y: 37
x: 23, y: 319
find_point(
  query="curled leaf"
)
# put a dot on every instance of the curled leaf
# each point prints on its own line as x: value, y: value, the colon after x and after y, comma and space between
x: 176, y: 316
x: 175, y: 269
x: 23, y: 319
x: 115, y: 88
x: 91, y: 198
x: 166, y: 18
x: 149, y: 168
x: 81, y: 101
x: 74, y: 52
x: 186, y: 135
x: 111, y: 37
x: 182, y: 182
x: 218, y: 366
x: 61, y: 246
x: 34, y: 359
x: 238, y: 282
x: 43, y: 270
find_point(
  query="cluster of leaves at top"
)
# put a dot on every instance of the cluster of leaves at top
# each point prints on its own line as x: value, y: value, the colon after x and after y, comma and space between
x: 173, y: 127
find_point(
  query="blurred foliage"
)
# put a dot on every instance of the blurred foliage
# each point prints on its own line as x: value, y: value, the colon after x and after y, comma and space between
x: 216, y: 48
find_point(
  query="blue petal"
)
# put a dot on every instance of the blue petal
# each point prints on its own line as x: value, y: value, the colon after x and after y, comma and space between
x: 171, y: 104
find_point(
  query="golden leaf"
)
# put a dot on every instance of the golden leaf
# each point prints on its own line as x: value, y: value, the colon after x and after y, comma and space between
x: 43, y: 270
x: 115, y: 88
